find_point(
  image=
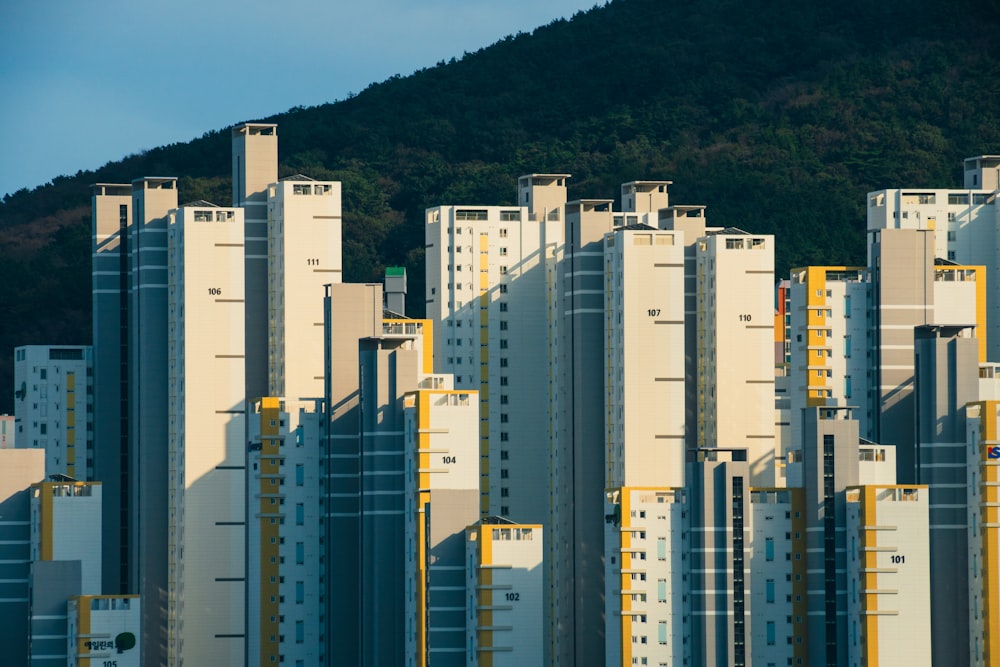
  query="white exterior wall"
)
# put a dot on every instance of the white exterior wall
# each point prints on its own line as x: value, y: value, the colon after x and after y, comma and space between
x: 53, y: 406
x: 965, y: 223
x: 487, y: 294
x: 295, y: 487
x: 66, y: 525
x: 644, y: 556
x: 888, y: 572
x: 876, y: 464
x: 206, y: 605
x: 442, y: 454
x: 983, y: 475
x: 304, y: 253
x: 512, y: 555
x: 771, y: 578
x: 104, y: 630
x: 644, y: 360
x: 833, y: 364
x: 736, y: 348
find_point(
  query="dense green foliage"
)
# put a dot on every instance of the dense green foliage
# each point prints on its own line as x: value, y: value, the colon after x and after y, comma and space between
x: 779, y: 115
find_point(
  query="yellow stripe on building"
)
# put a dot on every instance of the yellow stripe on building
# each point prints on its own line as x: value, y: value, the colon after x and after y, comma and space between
x: 869, y: 578
x: 990, y: 527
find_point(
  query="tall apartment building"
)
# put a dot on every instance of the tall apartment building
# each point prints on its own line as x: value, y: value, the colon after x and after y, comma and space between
x: 962, y: 223
x: 65, y: 560
x: 19, y: 469
x: 207, y: 436
x: 691, y: 221
x: 646, y: 574
x: 504, y: 593
x: 487, y: 283
x: 111, y: 217
x: 644, y: 357
x: 830, y: 464
x: 148, y: 397
x: 65, y: 522
x: 902, y: 297
x: 130, y: 388
x: 983, y: 484
x: 778, y: 577
x: 304, y: 250
x: 371, y: 363
x: 720, y: 550
x: 579, y: 469
x: 888, y: 569
x: 53, y: 387
x: 255, y: 167
x: 284, y: 549
x: 441, y: 449
x: 735, y: 347
x: 946, y: 371
x: 828, y: 328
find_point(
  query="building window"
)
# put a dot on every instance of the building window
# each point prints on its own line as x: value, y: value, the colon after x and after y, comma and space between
x: 300, y: 474
x: 503, y: 306
x: 300, y: 553
x: 769, y: 548
x: 503, y: 289
x: 503, y: 270
x: 300, y: 514
x: 769, y: 590
x: 770, y: 633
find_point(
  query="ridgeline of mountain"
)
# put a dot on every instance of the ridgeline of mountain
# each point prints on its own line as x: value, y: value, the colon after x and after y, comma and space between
x: 779, y: 115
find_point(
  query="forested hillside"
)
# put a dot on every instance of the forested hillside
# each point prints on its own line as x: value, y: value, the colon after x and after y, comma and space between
x: 779, y: 115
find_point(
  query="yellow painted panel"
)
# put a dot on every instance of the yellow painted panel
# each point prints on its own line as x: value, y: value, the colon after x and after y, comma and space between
x: 83, y: 628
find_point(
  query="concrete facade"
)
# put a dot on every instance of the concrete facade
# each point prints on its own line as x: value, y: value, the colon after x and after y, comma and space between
x: 735, y: 339
x: 53, y: 407
x: 721, y: 522
x: 441, y: 499
x: 207, y: 438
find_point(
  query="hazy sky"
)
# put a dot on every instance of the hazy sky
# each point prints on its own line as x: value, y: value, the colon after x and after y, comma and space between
x: 84, y: 83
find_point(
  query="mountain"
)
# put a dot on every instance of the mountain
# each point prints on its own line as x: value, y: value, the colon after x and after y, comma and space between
x: 778, y: 115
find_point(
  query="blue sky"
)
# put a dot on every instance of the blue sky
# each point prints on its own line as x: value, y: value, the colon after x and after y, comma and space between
x: 85, y: 83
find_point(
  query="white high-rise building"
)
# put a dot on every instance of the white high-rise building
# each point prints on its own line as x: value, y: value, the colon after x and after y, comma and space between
x: 441, y: 443
x: 736, y: 347
x: 284, y: 549
x: 504, y: 594
x: 888, y: 574
x: 778, y: 578
x: 304, y: 250
x: 828, y: 326
x: 963, y: 223
x: 65, y: 523
x: 487, y: 292
x: 645, y: 577
x: 53, y: 406
x: 255, y: 167
x: 207, y: 437
x: 983, y: 475
x: 645, y: 356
